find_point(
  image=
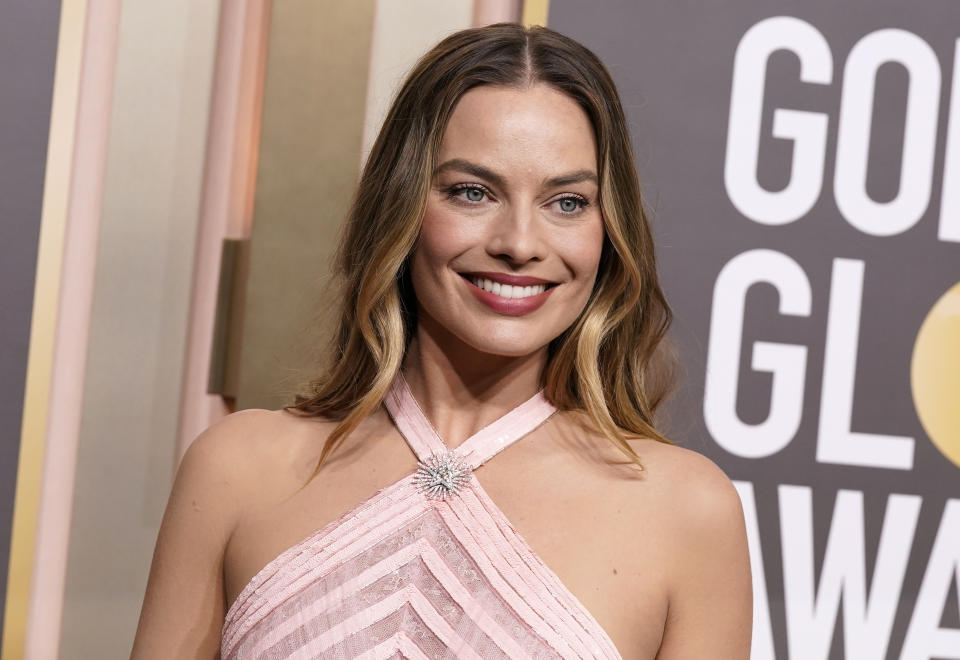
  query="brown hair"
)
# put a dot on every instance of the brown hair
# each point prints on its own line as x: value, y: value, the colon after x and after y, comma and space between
x: 613, y: 363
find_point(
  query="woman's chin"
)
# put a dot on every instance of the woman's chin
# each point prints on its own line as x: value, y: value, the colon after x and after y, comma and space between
x: 505, y: 347
x: 464, y: 332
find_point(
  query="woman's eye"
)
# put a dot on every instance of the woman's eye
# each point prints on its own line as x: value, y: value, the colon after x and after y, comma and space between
x: 471, y: 194
x: 571, y: 204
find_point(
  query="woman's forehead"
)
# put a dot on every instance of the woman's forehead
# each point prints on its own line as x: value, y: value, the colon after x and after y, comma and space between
x: 536, y: 127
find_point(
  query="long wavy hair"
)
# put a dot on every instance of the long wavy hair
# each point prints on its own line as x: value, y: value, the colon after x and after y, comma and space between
x: 614, y: 363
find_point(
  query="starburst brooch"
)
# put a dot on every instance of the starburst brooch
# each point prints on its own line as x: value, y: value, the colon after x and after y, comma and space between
x: 441, y: 476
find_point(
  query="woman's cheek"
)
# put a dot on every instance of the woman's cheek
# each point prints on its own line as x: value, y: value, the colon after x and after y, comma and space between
x: 446, y: 235
x: 582, y: 249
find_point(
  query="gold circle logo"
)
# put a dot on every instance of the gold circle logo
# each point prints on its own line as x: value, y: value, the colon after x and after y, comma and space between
x: 935, y: 374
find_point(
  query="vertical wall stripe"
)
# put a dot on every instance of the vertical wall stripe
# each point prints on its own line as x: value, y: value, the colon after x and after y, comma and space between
x: 402, y: 33
x: 64, y: 289
x: 158, y: 112
x: 535, y: 12
x: 43, y: 323
x: 226, y: 208
x: 311, y: 136
x: 78, y: 265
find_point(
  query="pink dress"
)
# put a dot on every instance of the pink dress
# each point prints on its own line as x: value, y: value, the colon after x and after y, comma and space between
x: 428, y: 567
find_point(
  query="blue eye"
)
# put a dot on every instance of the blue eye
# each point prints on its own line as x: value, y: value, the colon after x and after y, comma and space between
x: 470, y: 193
x: 571, y: 204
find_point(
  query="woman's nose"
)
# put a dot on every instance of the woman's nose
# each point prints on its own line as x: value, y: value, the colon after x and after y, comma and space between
x: 517, y: 235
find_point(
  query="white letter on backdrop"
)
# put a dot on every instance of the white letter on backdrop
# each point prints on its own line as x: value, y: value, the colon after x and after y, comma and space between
x: 836, y: 443
x: 786, y: 362
x: 867, y: 622
x: 808, y: 130
x: 950, y: 202
x: 925, y: 638
x: 919, y: 138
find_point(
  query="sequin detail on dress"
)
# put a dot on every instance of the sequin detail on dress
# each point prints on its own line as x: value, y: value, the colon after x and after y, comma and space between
x: 417, y: 571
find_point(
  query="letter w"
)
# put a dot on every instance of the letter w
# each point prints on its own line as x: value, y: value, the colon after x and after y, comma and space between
x: 811, y: 614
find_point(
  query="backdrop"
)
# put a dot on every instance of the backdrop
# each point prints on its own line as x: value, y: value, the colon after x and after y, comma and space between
x: 802, y: 161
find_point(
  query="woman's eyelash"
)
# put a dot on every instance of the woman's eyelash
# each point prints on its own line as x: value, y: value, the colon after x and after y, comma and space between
x: 456, y: 189
x: 454, y: 192
x: 581, y: 201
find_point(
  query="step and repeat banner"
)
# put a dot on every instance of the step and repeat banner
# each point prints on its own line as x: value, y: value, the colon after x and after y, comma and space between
x: 802, y: 164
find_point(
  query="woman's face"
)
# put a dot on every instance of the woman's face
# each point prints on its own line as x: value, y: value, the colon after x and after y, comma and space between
x: 512, y: 233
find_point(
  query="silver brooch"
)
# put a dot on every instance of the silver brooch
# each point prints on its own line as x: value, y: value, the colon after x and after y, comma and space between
x: 441, y: 476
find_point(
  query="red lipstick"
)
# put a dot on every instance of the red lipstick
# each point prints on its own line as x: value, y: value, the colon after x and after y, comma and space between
x: 508, y: 306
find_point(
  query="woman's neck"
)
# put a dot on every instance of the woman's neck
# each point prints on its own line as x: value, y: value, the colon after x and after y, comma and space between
x: 460, y: 389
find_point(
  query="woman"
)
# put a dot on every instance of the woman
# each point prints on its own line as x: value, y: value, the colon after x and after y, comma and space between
x: 499, y: 292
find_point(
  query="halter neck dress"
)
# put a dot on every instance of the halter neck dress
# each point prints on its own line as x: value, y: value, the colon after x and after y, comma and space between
x: 428, y: 567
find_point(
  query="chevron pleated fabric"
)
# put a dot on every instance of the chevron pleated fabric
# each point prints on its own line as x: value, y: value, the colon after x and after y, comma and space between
x: 418, y: 572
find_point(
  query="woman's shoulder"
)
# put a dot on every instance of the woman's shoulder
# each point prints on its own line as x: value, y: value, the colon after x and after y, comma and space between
x: 705, y: 557
x: 683, y: 489
x: 244, y: 448
x: 229, y: 466
x: 665, y: 464
x: 697, y: 492
x: 674, y: 466
x: 698, y: 517
x: 240, y: 438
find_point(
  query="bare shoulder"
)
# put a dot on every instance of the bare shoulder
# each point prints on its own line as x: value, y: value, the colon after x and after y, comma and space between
x: 681, y: 493
x: 222, y: 460
x: 699, y: 494
x: 242, y: 431
x: 184, y: 604
x: 244, y: 447
x: 237, y: 433
x: 707, y: 562
x: 678, y: 524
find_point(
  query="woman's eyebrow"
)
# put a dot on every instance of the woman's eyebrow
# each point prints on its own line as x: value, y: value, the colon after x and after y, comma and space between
x: 470, y: 168
x: 573, y: 177
x: 485, y: 173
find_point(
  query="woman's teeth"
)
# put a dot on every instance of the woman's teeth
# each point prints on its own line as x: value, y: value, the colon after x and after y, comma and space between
x: 508, y: 290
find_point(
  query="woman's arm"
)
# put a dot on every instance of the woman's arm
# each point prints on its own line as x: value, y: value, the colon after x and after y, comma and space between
x: 183, y: 608
x: 710, y: 609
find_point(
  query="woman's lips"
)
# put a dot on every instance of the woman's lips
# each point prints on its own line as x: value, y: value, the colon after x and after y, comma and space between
x: 506, y: 278
x: 509, y: 306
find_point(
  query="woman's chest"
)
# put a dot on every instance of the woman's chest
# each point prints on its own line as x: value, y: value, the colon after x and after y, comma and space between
x: 604, y: 550
x: 593, y: 546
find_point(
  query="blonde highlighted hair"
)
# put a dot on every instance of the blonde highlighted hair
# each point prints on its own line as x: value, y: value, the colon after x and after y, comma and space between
x: 614, y: 363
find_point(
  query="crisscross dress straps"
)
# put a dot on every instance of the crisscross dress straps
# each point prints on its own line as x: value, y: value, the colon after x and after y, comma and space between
x: 478, y: 448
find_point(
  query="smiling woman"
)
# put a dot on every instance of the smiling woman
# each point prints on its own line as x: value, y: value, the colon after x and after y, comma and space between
x: 499, y: 298
x: 512, y: 221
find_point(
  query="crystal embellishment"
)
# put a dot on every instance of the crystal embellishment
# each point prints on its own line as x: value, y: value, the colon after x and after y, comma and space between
x: 441, y: 476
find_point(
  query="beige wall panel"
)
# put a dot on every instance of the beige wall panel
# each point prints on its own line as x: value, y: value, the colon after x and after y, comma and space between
x: 403, y: 31
x: 313, y: 114
x: 138, y: 329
